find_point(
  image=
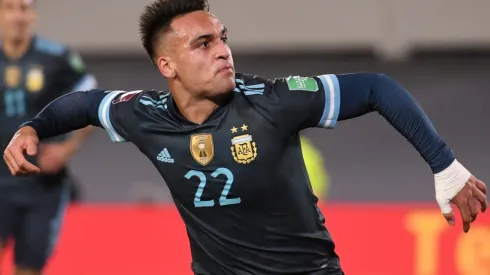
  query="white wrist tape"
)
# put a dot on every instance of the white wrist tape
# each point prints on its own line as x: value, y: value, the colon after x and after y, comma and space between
x: 448, y: 183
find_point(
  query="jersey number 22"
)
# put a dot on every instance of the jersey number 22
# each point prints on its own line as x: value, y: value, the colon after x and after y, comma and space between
x: 223, y: 200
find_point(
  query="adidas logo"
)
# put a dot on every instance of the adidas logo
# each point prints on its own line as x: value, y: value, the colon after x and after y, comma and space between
x: 164, y: 156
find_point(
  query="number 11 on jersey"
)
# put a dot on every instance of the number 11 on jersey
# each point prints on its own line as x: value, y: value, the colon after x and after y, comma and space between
x: 14, y: 100
x: 223, y: 200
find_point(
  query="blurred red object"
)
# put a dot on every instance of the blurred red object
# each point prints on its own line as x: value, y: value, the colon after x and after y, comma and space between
x: 381, y: 239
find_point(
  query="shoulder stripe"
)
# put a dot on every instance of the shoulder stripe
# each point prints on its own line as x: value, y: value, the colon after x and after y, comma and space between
x: 251, y: 87
x: 332, y: 101
x: 160, y: 104
x: 49, y: 47
x: 104, y: 116
x: 255, y: 89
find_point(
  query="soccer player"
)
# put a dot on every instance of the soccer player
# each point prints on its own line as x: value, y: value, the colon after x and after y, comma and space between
x: 227, y: 144
x: 35, y: 72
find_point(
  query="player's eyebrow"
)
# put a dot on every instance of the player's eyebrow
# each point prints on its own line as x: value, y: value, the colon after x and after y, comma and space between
x: 207, y: 36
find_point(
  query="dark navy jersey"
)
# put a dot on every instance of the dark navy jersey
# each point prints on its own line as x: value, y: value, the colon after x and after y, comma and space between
x: 238, y: 179
x: 46, y: 71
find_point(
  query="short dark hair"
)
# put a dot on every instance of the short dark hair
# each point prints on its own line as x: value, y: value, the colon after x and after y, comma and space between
x: 158, y: 16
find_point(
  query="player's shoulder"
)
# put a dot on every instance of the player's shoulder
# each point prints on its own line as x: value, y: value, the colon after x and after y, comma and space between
x: 142, y: 98
x: 254, y: 85
x: 153, y: 98
x: 244, y: 80
x: 50, y: 47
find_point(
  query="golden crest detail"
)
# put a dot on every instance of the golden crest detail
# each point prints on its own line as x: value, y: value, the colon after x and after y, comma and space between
x: 202, y: 148
x: 243, y: 148
x: 35, y: 79
x: 12, y: 75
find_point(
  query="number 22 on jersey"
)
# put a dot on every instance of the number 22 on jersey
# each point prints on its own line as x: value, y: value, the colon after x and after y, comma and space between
x: 223, y: 200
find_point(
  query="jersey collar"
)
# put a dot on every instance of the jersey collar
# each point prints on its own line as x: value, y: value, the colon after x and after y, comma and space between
x: 214, y: 117
x: 27, y: 52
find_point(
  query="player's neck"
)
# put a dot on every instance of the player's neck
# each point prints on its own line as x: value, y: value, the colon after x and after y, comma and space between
x: 195, y: 111
x: 14, y: 49
x: 194, y: 108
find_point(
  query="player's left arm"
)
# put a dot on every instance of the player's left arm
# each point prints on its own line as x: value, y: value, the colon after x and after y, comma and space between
x: 324, y: 100
x: 364, y: 93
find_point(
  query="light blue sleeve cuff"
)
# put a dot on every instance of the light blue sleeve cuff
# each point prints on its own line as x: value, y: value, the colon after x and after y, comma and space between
x: 104, y: 116
x: 331, y: 89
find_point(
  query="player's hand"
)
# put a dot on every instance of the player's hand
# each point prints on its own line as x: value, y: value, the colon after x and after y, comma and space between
x: 25, y: 140
x: 54, y: 156
x: 470, y: 201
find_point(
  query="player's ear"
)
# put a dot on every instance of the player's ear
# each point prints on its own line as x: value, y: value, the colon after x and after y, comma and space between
x: 166, y: 66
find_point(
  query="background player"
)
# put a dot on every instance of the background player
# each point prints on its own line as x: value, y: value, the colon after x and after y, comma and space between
x: 228, y: 146
x: 34, y: 72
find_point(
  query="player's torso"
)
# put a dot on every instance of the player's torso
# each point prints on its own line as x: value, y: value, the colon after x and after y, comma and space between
x: 226, y: 162
x: 238, y: 182
x: 26, y: 86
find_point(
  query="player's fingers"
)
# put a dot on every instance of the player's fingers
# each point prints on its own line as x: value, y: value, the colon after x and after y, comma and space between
x: 481, y: 186
x: 29, y: 168
x: 24, y: 165
x: 478, y: 207
x: 450, y: 218
x: 16, y: 169
x: 446, y: 210
x: 7, y: 162
x: 31, y: 148
x: 465, y: 214
x: 484, y: 206
x: 481, y: 198
x: 12, y: 165
x: 473, y: 206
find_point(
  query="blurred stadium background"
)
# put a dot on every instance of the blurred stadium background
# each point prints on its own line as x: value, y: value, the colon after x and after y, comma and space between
x: 377, y: 193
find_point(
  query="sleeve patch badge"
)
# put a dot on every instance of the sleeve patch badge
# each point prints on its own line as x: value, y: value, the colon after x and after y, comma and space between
x: 126, y: 96
x: 298, y: 83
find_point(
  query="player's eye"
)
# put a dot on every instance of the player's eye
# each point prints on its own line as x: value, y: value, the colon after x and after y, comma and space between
x: 224, y: 39
x: 204, y: 44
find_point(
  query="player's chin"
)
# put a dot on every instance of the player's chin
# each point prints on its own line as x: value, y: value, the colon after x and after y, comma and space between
x: 220, y: 91
x: 223, y: 90
x: 224, y: 83
x: 19, y: 36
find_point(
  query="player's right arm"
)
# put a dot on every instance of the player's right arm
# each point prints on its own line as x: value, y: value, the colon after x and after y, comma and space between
x: 114, y: 111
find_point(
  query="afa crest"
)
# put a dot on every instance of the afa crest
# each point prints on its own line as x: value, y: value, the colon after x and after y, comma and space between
x: 243, y: 148
x: 202, y: 148
x: 35, y: 79
x: 12, y: 76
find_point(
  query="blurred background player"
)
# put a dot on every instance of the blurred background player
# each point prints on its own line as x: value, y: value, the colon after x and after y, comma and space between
x: 34, y: 72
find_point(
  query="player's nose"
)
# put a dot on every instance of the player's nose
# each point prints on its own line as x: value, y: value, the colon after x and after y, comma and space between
x: 223, y: 52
